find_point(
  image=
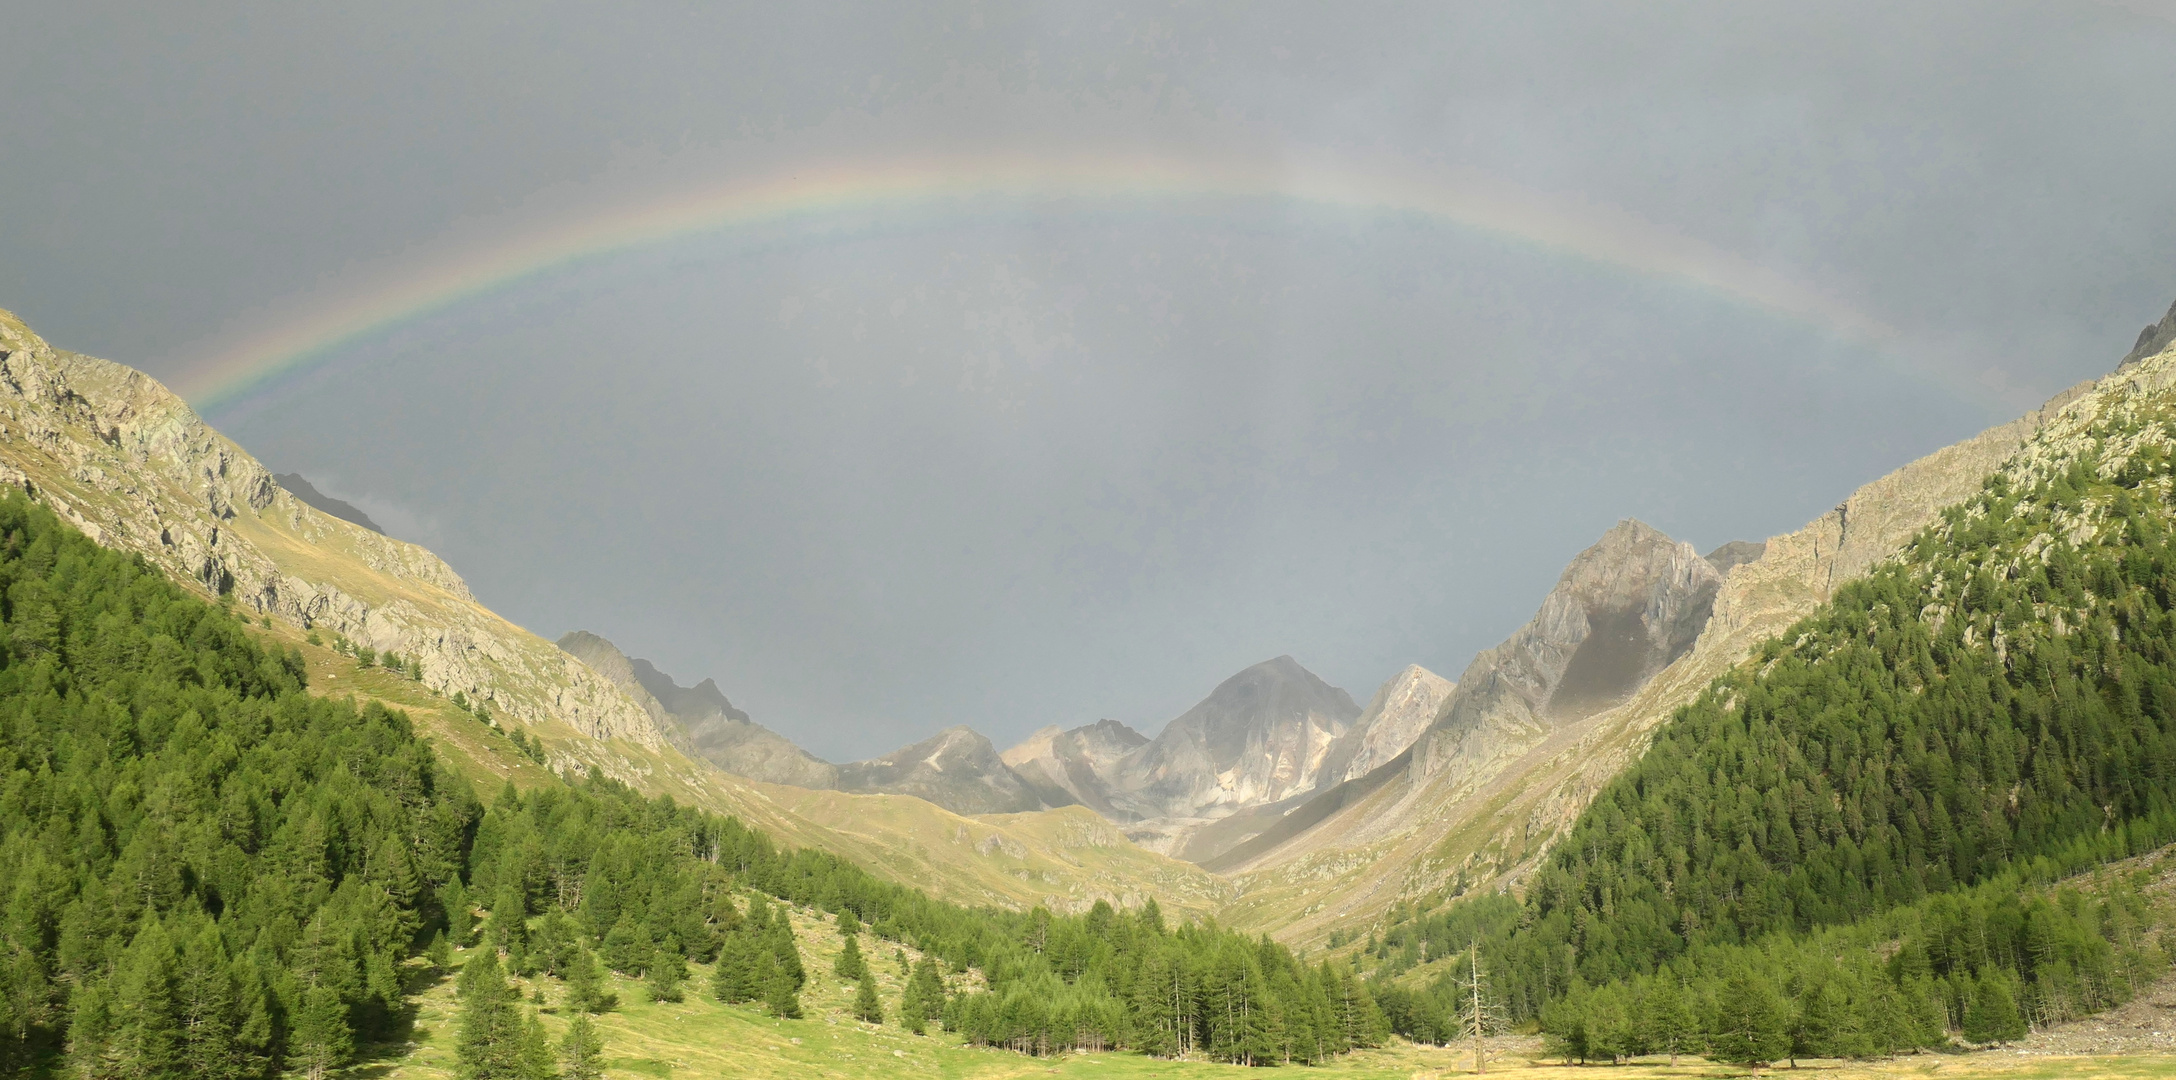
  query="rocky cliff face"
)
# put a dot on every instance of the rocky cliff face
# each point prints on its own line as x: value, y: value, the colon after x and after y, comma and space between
x: 701, y: 721
x: 119, y: 456
x: 1076, y: 761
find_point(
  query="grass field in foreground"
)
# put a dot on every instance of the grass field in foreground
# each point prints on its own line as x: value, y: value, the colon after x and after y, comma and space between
x: 700, y: 1039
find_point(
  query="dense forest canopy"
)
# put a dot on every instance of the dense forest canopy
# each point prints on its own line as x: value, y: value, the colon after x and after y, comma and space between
x: 1991, y: 710
x: 209, y: 872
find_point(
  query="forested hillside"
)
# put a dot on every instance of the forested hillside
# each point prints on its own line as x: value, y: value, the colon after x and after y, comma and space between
x: 1913, y: 764
x: 210, y: 872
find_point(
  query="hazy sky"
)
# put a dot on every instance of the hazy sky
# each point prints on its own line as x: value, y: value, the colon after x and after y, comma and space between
x: 1084, y: 446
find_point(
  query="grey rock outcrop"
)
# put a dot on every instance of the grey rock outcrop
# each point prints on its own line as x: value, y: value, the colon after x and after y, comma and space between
x: 1401, y: 709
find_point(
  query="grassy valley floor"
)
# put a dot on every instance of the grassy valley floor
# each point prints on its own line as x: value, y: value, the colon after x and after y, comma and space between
x: 701, y: 1039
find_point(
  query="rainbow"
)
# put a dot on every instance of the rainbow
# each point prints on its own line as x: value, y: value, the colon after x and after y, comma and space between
x: 303, y: 338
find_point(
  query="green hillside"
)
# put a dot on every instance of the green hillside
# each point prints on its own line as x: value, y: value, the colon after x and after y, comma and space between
x: 1851, y: 836
x: 212, y: 872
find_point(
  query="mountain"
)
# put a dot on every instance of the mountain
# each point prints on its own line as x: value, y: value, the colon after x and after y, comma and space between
x: 1261, y: 736
x: 1478, y: 808
x: 957, y: 768
x: 304, y: 490
x: 701, y: 721
x: 119, y: 457
x: 1906, y: 770
x: 1076, y: 761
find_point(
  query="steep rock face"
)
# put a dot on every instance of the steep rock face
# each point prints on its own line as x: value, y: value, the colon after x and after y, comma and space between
x: 1261, y: 737
x: 119, y: 456
x: 1488, y: 810
x: 1076, y: 761
x: 1401, y: 709
x: 957, y: 768
x: 701, y: 721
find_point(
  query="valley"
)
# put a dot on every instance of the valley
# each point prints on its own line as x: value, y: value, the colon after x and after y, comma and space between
x: 1356, y: 845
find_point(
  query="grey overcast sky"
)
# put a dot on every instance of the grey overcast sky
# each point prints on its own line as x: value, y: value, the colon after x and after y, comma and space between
x: 1084, y: 445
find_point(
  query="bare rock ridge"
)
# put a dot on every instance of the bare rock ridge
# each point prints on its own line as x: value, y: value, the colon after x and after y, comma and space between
x: 119, y: 456
x: 957, y: 769
x: 701, y: 721
x: 302, y: 489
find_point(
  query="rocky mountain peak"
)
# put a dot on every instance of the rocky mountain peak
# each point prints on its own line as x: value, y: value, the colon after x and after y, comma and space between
x: 1261, y: 736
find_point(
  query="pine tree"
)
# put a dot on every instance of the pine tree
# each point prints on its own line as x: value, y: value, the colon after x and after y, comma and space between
x: 849, y: 924
x: 1668, y: 1021
x: 668, y: 969
x: 586, y: 989
x: 780, y: 995
x: 148, y: 1041
x: 534, y: 1059
x: 1750, y: 1026
x: 866, y: 1006
x: 1824, y: 1027
x: 210, y: 1012
x: 733, y: 980
x: 1992, y: 1016
x: 923, y: 999
x: 849, y: 965
x: 582, y: 1050
x: 322, y: 1039
x: 488, y: 1044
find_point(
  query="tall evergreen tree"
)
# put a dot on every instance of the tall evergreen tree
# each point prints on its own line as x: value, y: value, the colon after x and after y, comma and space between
x: 491, y: 1036
x: 849, y: 965
x: 1751, y: 1025
x: 322, y: 1040
x: 582, y: 1050
x: 867, y: 1008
